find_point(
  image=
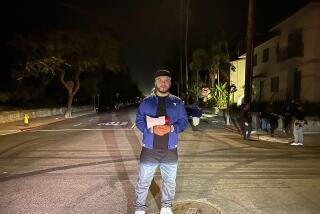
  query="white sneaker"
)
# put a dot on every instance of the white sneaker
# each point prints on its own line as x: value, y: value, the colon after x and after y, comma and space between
x: 294, y: 144
x: 140, y: 212
x: 166, y: 210
x: 300, y: 144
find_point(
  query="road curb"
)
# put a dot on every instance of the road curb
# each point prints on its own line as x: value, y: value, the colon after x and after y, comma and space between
x: 260, y: 137
x: 23, y: 129
x: 56, y: 121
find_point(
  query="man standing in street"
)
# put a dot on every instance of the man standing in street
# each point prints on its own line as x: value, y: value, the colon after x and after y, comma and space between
x: 298, y: 124
x: 196, y: 114
x: 159, y: 142
x: 246, y: 121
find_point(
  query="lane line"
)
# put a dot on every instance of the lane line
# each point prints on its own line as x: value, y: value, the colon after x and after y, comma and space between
x: 7, y: 132
x: 314, y: 132
x: 61, y: 130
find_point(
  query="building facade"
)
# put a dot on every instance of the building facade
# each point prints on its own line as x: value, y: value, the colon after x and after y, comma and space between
x: 286, y: 66
x: 237, y: 78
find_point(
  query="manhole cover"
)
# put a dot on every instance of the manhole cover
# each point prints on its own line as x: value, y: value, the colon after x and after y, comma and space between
x: 194, y: 207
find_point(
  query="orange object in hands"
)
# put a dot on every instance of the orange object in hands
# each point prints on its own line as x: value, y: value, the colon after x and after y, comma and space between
x: 161, y: 130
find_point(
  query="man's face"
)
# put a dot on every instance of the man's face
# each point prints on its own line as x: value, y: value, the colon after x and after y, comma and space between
x: 162, y: 84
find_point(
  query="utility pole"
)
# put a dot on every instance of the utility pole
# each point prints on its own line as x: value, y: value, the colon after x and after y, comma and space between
x: 186, y: 48
x: 250, y: 31
x: 181, y: 32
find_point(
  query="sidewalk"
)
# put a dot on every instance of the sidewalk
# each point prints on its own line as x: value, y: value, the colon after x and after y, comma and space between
x: 17, y: 126
x: 279, y: 135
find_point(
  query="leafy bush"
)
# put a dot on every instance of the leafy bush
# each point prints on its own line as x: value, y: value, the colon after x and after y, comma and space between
x: 220, y: 95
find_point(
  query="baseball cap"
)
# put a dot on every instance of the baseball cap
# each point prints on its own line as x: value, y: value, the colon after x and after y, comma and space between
x: 162, y: 73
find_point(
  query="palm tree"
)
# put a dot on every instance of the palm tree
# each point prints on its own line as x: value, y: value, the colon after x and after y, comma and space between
x: 216, y: 61
x: 200, y: 61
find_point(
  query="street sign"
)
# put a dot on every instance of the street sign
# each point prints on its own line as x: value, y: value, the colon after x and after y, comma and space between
x: 205, y: 92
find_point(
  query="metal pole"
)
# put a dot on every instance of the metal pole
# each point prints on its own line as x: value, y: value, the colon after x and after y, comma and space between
x: 178, y: 91
x: 197, y: 87
x: 98, y: 104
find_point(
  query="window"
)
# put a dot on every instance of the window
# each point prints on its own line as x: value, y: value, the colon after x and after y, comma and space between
x: 281, y: 53
x: 255, y: 57
x: 295, y: 44
x: 265, y: 55
x: 274, y: 84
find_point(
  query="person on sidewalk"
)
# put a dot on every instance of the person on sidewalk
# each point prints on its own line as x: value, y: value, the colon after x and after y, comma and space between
x: 298, y: 124
x: 246, y: 122
x: 273, y: 122
x: 291, y: 110
x: 196, y: 113
x: 159, y: 142
x: 287, y: 118
x: 264, y: 121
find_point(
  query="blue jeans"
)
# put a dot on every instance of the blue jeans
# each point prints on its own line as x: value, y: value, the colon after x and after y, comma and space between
x: 146, y: 174
x: 298, y: 133
x: 264, y: 124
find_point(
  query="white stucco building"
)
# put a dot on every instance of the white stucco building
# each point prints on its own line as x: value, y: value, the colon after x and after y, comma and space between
x: 237, y: 78
x: 286, y: 66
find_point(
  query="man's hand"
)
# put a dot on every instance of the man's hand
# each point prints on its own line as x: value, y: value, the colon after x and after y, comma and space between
x: 161, y: 130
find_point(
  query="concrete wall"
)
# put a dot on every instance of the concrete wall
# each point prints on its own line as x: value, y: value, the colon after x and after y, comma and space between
x: 313, y: 124
x: 10, y: 116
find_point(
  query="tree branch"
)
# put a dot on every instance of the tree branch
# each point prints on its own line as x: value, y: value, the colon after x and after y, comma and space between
x: 61, y: 75
x: 77, y: 83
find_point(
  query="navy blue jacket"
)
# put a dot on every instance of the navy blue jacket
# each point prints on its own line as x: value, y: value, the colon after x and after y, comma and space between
x: 196, y: 111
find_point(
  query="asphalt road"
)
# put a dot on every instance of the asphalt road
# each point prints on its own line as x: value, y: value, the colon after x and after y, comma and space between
x: 89, y: 165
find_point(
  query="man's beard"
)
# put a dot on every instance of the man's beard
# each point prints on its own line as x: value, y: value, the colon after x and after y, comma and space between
x: 161, y: 90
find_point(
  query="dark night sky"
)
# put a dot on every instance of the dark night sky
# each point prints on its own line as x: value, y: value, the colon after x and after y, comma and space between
x: 148, y: 29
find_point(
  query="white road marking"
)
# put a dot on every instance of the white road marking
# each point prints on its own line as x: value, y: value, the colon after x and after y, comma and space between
x: 273, y: 139
x: 6, y: 132
x: 315, y: 132
x: 77, y: 124
x: 113, y: 124
x: 61, y: 130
